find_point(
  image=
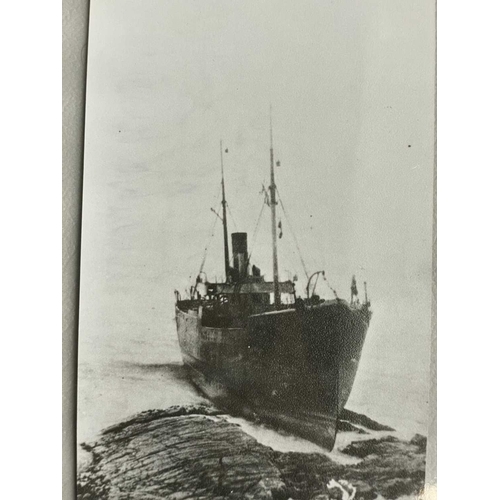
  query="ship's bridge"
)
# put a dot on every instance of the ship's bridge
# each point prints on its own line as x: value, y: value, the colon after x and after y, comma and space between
x: 252, y: 294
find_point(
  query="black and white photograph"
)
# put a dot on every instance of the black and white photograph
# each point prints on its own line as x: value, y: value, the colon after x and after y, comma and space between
x: 256, y: 276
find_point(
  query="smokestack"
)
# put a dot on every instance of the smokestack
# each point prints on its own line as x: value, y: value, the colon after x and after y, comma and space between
x: 240, y: 254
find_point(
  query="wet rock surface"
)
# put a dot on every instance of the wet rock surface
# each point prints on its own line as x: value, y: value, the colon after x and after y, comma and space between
x: 358, y: 419
x: 194, y: 453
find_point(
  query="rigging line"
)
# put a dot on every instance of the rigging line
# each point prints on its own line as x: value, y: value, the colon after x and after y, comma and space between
x: 293, y: 235
x: 315, y: 284
x: 218, y: 192
x: 330, y: 286
x: 212, y: 231
x: 254, y: 236
x: 231, y: 214
x: 210, y: 238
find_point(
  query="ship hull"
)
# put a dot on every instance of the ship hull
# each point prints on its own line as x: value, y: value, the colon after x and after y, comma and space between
x: 294, y: 368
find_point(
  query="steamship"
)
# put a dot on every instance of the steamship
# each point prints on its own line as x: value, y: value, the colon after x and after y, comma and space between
x: 258, y: 348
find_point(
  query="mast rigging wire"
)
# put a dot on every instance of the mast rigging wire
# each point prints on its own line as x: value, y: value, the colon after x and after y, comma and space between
x: 231, y: 215
x: 293, y: 235
x: 254, y: 236
x: 210, y: 238
x: 330, y: 286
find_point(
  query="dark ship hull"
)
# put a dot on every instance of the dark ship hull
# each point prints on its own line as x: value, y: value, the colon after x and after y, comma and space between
x: 293, y: 367
x: 253, y: 345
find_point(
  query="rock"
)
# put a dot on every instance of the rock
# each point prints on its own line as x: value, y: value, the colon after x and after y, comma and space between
x: 186, y: 453
x: 276, y: 487
x: 336, y: 493
x: 419, y: 441
x: 365, y: 492
x: 151, y: 415
x: 341, y: 490
x: 362, y: 449
x: 349, y: 489
x: 398, y: 487
x: 267, y: 488
x: 391, y: 466
x: 363, y: 420
x: 345, y: 426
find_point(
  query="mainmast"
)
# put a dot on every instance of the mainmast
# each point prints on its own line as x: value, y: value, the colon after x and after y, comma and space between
x: 224, y: 220
x: 272, y: 188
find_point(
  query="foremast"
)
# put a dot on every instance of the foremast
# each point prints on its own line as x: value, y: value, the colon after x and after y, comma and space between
x: 224, y: 220
x: 272, y: 189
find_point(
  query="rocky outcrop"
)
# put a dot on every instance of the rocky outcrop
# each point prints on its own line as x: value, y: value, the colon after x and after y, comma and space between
x: 359, y: 419
x: 194, y: 453
x: 392, y: 467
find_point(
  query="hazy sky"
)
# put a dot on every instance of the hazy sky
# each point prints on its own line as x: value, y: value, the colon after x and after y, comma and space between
x: 352, y: 88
